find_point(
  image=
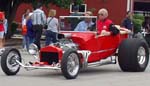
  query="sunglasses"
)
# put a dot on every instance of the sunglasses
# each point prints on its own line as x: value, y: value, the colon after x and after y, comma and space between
x: 101, y: 14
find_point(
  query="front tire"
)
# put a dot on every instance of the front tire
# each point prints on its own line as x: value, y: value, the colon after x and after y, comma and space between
x: 70, y: 64
x: 133, y: 55
x: 8, y: 61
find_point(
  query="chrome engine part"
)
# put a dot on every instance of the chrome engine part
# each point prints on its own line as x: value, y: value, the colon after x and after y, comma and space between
x: 66, y: 43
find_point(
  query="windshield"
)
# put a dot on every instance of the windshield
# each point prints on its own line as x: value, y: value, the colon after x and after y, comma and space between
x: 77, y: 23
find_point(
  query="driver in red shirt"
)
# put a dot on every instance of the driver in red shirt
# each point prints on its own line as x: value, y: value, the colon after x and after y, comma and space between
x: 105, y: 26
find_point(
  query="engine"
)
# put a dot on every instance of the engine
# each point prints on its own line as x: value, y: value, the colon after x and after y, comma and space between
x: 65, y: 42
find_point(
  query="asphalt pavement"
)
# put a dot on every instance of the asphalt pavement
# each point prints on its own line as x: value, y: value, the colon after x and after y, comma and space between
x: 108, y: 75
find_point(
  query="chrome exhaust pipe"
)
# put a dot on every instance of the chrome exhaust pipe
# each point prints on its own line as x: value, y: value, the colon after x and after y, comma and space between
x: 110, y: 60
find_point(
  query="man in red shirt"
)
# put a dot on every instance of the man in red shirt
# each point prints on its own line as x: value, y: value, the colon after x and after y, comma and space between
x: 2, y: 17
x: 105, y: 26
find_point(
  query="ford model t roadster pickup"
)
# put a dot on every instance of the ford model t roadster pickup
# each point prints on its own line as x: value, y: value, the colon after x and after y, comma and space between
x: 76, y: 50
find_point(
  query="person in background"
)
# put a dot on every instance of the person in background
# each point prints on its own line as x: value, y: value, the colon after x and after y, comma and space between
x: 146, y: 27
x: 5, y: 29
x: 2, y: 18
x: 38, y: 20
x: 24, y: 32
x: 26, y: 12
x: 74, y: 21
x: 75, y: 11
x: 85, y: 24
x: 30, y: 33
x: 53, y: 28
x: 24, y: 29
x: 105, y: 26
x: 146, y: 24
x: 5, y: 26
x: 127, y: 23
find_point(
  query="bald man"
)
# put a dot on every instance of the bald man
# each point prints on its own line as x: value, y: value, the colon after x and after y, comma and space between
x: 105, y: 26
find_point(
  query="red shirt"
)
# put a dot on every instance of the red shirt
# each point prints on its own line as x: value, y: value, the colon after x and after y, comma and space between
x: 2, y: 17
x: 103, y: 25
x: 1, y: 27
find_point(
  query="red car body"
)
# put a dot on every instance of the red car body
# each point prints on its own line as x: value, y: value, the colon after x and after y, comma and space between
x: 100, y: 47
x: 77, y: 50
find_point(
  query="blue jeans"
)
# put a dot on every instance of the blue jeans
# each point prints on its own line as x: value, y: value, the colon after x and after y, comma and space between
x: 30, y: 40
x: 27, y: 41
x: 51, y: 37
x: 24, y: 42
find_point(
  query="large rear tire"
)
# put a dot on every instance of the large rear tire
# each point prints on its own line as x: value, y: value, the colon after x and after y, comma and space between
x: 8, y: 61
x: 70, y: 64
x: 133, y: 55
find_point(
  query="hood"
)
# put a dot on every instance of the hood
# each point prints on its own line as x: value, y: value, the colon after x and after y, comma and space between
x: 79, y: 37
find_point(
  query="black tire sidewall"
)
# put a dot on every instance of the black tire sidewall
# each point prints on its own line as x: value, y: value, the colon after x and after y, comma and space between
x: 4, y: 58
x: 127, y: 55
x: 65, y: 61
x: 137, y: 44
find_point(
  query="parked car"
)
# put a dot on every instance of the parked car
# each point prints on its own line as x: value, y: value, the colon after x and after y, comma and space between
x: 77, y: 50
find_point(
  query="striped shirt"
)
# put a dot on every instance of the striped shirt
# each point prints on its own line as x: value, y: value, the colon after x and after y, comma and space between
x: 38, y: 17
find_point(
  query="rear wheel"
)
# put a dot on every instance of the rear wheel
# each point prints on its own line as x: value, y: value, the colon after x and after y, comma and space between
x: 70, y: 64
x: 8, y: 61
x: 133, y: 55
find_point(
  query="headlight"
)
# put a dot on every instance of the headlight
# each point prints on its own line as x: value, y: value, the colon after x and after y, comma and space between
x: 33, y: 49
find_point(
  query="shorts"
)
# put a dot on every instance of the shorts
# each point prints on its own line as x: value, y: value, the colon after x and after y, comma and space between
x: 2, y: 34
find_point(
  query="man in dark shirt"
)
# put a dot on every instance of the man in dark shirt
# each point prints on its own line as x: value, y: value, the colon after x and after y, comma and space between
x: 127, y: 22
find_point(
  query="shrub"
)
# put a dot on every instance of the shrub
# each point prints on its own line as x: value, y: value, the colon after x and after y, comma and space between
x: 138, y: 19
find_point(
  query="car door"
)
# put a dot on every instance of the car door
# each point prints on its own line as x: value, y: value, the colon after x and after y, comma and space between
x: 107, y: 45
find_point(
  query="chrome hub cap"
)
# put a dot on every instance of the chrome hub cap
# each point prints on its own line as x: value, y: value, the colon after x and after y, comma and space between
x: 141, y: 56
x: 11, y: 61
x: 73, y: 64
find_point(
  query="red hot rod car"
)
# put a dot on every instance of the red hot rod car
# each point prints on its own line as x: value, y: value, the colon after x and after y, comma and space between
x: 77, y: 50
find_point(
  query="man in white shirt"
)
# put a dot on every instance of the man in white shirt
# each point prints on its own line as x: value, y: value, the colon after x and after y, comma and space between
x: 38, y: 20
